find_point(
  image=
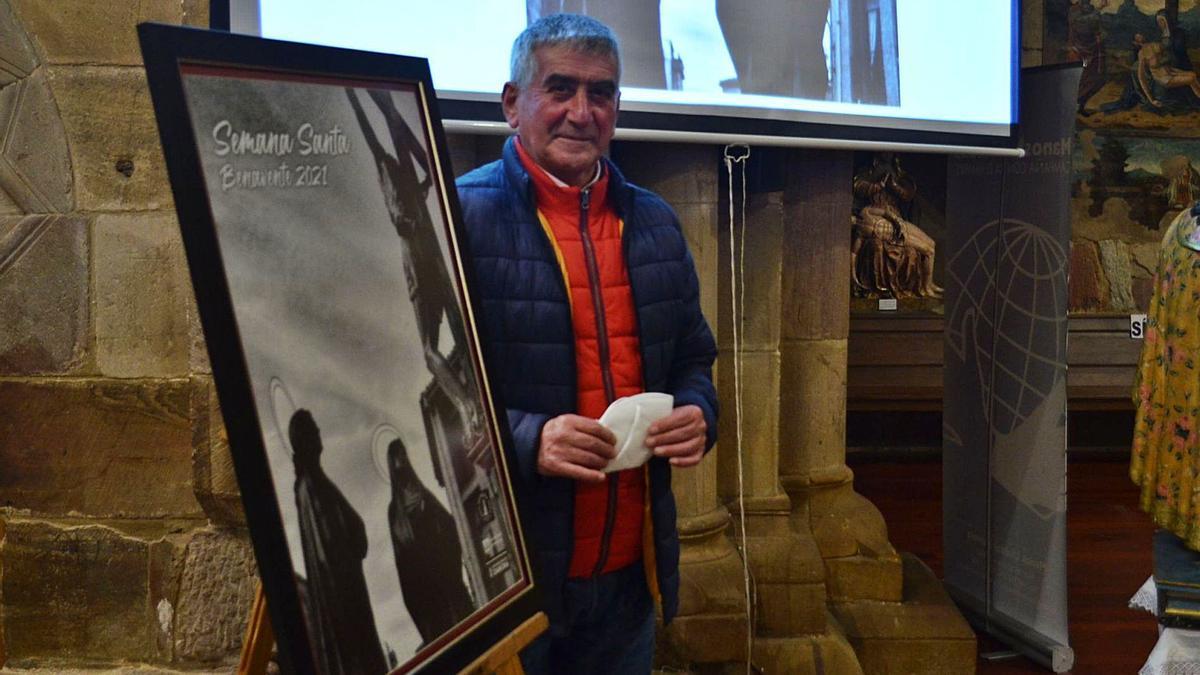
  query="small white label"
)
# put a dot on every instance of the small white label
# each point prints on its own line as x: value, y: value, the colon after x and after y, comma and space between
x: 887, y: 304
x: 1137, y: 326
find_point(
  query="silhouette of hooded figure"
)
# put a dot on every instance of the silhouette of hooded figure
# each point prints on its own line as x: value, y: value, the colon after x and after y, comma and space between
x: 428, y: 554
x: 341, y: 622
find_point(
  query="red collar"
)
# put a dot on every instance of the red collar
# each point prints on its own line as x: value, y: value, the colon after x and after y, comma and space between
x: 560, y: 199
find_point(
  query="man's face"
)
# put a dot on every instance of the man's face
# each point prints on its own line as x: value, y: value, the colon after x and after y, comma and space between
x: 566, y: 116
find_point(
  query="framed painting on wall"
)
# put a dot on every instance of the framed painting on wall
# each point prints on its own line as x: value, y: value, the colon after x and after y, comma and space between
x: 321, y: 228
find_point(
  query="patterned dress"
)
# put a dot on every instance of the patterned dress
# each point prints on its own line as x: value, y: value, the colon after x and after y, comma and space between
x: 1166, y: 449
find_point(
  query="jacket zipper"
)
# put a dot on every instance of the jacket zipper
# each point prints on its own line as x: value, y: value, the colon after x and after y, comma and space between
x: 589, y: 254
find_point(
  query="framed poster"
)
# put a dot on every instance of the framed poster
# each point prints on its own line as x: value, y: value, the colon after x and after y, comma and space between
x: 321, y: 228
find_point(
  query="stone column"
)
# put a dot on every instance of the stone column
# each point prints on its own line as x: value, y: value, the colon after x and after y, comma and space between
x: 815, y: 317
x: 894, y: 612
x: 791, y: 624
x: 711, y: 625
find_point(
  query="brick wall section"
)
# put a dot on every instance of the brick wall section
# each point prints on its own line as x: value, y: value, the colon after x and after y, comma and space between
x: 121, y: 535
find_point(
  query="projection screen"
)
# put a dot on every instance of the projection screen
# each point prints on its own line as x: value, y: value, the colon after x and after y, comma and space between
x: 865, y: 72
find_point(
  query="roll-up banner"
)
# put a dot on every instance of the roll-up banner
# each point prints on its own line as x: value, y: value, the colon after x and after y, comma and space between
x: 1004, y: 431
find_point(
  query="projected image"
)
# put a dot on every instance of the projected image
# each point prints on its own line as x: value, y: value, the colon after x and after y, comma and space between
x: 841, y: 68
x: 833, y: 50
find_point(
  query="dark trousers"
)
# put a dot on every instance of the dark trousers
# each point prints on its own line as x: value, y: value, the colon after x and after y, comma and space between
x: 610, y: 628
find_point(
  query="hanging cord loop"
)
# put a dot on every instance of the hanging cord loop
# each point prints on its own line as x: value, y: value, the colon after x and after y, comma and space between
x: 735, y: 155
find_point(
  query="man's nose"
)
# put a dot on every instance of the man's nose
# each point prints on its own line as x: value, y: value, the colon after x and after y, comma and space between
x: 579, y: 109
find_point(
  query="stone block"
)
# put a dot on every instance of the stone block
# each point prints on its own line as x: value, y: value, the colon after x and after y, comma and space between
x: 812, y: 405
x: 757, y: 276
x: 1114, y: 258
x: 212, y: 464
x: 16, y: 51
x: 712, y: 622
x: 815, y: 289
x: 7, y: 206
x: 1086, y: 286
x: 196, y: 13
x: 788, y: 608
x: 821, y: 177
x: 43, y: 294
x: 759, y: 423
x: 97, y: 448
x: 700, y: 225
x: 216, y: 590
x: 824, y: 653
x: 712, y: 584
x: 860, y: 577
x: 35, y: 161
x: 198, y: 361
x: 464, y: 153
x: 88, y: 32
x: 843, y: 522
x: 679, y: 173
x: 142, y: 295
x: 109, y: 123
x: 77, y: 591
x: 788, y: 574
x: 696, y: 497
x: 923, y: 634
x: 470, y: 151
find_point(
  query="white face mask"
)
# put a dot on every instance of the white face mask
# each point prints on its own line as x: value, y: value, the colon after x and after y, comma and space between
x: 628, y: 418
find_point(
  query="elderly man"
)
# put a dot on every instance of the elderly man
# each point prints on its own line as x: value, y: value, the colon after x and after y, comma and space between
x: 587, y: 293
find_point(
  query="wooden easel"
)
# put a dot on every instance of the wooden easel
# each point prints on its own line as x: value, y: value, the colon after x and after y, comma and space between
x: 501, y: 659
x: 256, y: 647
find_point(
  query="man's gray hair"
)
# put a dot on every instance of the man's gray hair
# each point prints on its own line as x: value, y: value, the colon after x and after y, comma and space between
x: 581, y: 34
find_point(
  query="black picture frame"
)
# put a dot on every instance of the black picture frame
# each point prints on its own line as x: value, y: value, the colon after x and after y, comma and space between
x: 250, y: 234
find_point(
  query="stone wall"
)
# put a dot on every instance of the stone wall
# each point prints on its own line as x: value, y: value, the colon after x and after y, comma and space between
x: 121, y: 535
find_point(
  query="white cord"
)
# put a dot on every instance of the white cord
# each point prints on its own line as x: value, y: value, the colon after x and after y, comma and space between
x: 737, y: 290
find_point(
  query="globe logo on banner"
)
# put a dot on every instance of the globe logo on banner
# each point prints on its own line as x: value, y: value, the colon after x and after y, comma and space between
x: 1012, y: 286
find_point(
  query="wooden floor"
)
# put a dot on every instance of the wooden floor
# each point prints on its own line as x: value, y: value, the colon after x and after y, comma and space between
x: 1108, y: 555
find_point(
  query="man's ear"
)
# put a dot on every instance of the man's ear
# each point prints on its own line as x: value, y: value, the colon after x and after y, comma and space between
x: 508, y: 102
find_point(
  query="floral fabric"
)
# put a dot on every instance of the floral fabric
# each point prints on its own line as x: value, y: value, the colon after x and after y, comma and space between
x: 1166, y: 452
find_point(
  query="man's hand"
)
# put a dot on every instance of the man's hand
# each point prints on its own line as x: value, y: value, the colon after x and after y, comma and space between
x: 679, y: 436
x: 575, y: 447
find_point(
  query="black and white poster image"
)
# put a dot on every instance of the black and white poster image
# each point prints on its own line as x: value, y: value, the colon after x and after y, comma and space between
x: 333, y: 232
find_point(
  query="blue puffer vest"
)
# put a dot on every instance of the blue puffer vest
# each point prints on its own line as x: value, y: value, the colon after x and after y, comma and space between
x: 525, y: 325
